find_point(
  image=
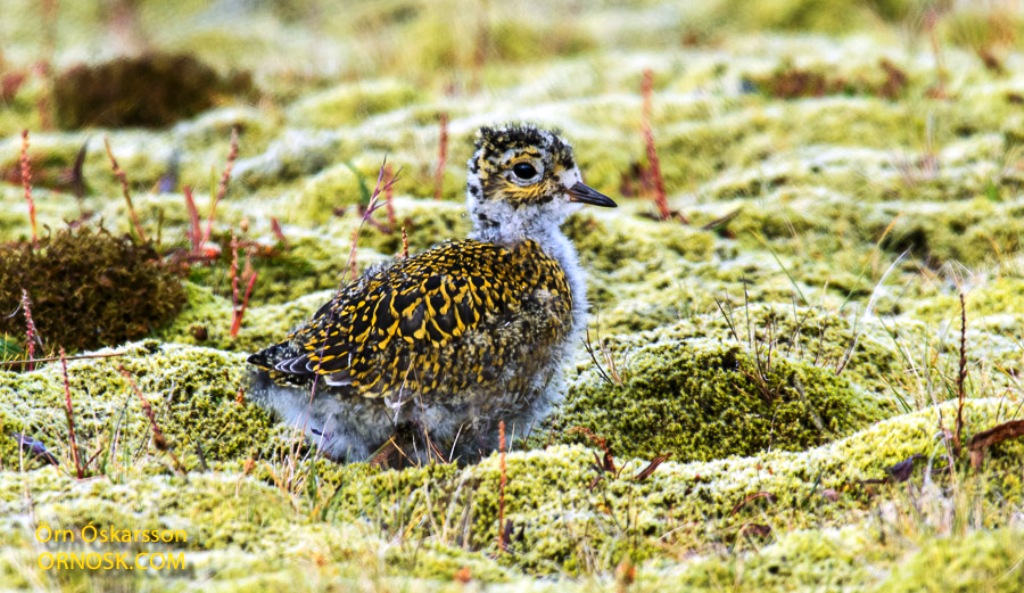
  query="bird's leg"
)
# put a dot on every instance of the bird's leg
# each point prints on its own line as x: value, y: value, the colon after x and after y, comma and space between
x: 388, y: 455
x: 433, y: 452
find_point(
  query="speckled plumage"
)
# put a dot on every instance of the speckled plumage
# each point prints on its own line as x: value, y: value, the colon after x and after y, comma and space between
x: 434, y: 350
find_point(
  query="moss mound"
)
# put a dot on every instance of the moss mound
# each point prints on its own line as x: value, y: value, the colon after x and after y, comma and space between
x: 701, y: 402
x: 88, y: 289
x: 153, y: 91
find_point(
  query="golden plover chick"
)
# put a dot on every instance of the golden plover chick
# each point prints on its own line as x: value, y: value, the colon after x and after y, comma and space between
x: 428, y: 354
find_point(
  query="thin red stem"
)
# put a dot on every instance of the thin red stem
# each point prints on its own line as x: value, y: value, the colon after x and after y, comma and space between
x: 389, y: 196
x: 30, y: 329
x: 127, y: 193
x: 385, y: 181
x: 222, y: 187
x: 194, y: 232
x: 26, y: 182
x: 652, y: 153
x: 71, y: 415
x: 501, y: 486
x: 250, y: 275
x: 275, y: 226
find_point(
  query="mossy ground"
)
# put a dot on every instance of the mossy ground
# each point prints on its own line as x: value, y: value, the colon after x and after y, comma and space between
x: 844, y: 183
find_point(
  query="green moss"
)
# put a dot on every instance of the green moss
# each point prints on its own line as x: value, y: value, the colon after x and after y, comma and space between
x: 745, y: 134
x: 210, y: 133
x: 291, y: 156
x: 789, y: 82
x: 240, y: 532
x: 997, y: 298
x: 798, y: 15
x: 21, y: 100
x: 967, y: 228
x: 335, y: 188
x: 607, y: 243
x: 979, y: 561
x: 286, y: 272
x: 437, y: 40
x: 637, y: 268
x: 972, y: 233
x: 812, y: 560
x: 517, y: 41
x: 206, y: 320
x: 699, y: 403
x: 351, y: 103
x: 567, y: 516
x: 805, y: 335
x: 561, y: 517
x: 193, y: 392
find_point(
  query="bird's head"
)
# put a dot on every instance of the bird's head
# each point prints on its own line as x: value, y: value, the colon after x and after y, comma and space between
x: 521, y: 176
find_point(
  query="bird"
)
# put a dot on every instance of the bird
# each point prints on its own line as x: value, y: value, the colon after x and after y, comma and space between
x: 422, y: 358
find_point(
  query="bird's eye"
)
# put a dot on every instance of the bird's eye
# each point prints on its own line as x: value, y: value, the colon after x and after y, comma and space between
x: 524, y: 170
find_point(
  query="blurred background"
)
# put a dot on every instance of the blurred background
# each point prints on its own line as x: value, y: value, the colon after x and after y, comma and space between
x: 269, y: 52
x: 840, y: 134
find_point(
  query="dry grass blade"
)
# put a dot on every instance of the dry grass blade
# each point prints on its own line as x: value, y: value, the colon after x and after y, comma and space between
x: 353, y: 268
x: 389, y: 197
x: 159, y: 441
x: 980, y: 442
x: 961, y: 378
x: 385, y: 181
x: 722, y: 221
x: 588, y: 345
x: 868, y: 310
x: 56, y: 358
x: 651, y: 467
x: 766, y: 496
x: 34, y: 447
x: 902, y: 471
x: 76, y: 177
x: 605, y: 463
x: 275, y: 227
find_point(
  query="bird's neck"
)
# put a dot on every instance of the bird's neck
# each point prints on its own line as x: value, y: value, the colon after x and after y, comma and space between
x: 545, y: 231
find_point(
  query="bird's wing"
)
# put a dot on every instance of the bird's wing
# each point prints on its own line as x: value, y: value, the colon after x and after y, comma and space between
x: 405, y: 312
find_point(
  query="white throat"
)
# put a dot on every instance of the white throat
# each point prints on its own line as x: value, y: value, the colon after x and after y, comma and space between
x: 498, y: 222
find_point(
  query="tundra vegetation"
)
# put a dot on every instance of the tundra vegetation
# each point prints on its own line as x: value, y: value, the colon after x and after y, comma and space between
x: 803, y: 366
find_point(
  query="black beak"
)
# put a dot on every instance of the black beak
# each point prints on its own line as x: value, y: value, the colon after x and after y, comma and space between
x: 588, y: 195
